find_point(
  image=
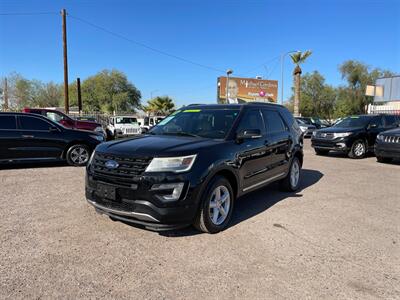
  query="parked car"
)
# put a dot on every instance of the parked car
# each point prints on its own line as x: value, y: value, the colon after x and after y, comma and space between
x: 26, y: 137
x: 353, y: 135
x: 307, y: 129
x: 66, y: 121
x: 149, y: 122
x: 312, y: 121
x: 191, y: 167
x: 122, y: 126
x: 387, y: 146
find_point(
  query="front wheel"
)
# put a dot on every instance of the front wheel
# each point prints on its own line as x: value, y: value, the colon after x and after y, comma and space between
x: 216, y: 206
x: 291, y: 182
x: 78, y: 155
x: 358, y: 149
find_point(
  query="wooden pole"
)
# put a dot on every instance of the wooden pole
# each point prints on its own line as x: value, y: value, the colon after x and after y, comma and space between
x: 78, y: 86
x: 64, y: 33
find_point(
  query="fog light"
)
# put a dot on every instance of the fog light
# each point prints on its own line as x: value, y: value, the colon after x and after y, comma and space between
x: 176, y: 189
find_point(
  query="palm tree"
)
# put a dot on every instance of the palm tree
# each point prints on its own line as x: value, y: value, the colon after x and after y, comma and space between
x: 298, y: 58
x: 160, y: 106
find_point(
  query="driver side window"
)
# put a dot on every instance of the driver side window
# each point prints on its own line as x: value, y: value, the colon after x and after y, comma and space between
x: 252, y: 120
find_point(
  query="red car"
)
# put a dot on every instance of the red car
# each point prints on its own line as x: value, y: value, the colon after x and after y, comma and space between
x: 63, y: 119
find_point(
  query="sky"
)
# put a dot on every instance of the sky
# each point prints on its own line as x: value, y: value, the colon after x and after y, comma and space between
x: 246, y: 36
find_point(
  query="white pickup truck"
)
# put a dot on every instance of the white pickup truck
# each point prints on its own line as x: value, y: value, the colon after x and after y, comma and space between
x: 122, y: 126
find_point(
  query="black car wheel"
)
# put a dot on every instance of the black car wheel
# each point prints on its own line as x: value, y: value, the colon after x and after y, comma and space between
x: 291, y: 182
x: 321, y: 151
x: 383, y: 159
x: 358, y: 149
x: 216, y: 206
x: 78, y: 155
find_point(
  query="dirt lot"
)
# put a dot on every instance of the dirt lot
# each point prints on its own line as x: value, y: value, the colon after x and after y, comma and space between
x: 339, y: 237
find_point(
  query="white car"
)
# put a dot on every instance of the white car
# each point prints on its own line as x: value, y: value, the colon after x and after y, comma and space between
x: 149, y: 122
x: 122, y: 126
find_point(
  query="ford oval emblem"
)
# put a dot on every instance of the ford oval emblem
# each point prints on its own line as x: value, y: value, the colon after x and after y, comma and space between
x: 111, y: 164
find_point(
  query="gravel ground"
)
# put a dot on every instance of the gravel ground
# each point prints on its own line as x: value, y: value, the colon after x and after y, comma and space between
x: 338, y: 237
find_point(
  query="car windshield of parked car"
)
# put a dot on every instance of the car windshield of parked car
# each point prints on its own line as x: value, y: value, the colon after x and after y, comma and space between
x: 207, y: 123
x: 126, y: 120
x: 353, y: 122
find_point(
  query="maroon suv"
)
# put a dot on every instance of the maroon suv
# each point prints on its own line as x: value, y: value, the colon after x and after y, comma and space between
x: 63, y: 119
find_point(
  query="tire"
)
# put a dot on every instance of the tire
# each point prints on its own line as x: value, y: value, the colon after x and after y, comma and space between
x: 383, y: 159
x: 358, y: 149
x: 321, y: 151
x: 291, y: 182
x: 78, y: 155
x: 210, y: 219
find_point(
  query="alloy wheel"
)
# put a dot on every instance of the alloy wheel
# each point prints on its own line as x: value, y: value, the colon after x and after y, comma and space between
x: 359, y: 149
x: 79, y: 155
x: 295, y: 173
x: 220, y: 202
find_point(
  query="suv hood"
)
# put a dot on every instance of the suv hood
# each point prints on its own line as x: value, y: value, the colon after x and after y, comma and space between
x: 157, y: 145
x: 392, y: 132
x: 341, y: 129
x: 90, y: 124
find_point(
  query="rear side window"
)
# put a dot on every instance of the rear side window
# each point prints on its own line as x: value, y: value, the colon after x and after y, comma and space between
x: 252, y: 120
x: 273, y: 121
x: 32, y: 123
x: 8, y: 122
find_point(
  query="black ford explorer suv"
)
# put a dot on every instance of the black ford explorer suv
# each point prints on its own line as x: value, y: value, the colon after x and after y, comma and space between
x: 353, y: 135
x: 190, y: 167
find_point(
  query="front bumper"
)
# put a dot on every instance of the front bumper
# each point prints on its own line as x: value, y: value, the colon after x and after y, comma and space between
x: 339, y: 144
x: 390, y: 150
x: 139, y: 204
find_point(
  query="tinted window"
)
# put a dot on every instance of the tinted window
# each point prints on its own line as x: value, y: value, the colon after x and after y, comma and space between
x: 274, y: 121
x: 208, y: 123
x: 7, y: 122
x: 353, y: 122
x: 378, y: 121
x: 391, y: 121
x: 251, y: 120
x: 32, y: 123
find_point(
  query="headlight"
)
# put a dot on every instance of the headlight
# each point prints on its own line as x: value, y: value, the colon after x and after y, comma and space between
x: 91, y: 158
x: 303, y: 128
x: 99, y: 129
x: 341, y: 135
x: 314, y: 133
x: 171, y: 164
x: 100, y: 138
x: 380, y: 137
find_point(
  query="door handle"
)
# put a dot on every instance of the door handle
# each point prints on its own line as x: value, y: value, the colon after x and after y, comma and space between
x: 28, y: 136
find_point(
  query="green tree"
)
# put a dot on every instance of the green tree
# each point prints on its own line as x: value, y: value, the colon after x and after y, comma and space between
x: 107, y: 91
x: 352, y: 98
x: 298, y: 58
x: 160, y: 106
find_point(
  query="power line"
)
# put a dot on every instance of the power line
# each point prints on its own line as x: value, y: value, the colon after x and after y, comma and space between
x: 146, y: 46
x: 28, y: 13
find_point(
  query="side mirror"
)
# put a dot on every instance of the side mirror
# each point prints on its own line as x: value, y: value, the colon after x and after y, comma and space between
x: 140, y: 123
x: 248, y: 134
x: 53, y: 129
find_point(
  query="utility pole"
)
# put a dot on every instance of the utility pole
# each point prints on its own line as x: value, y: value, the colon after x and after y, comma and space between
x: 64, y: 33
x: 5, y: 106
x: 78, y: 86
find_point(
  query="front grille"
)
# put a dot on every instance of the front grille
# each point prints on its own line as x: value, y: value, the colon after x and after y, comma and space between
x: 391, y: 139
x: 128, y: 168
x: 324, y: 135
x: 131, y: 130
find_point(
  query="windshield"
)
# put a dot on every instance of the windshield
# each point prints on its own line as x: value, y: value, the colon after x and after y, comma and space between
x: 207, y: 123
x: 125, y: 120
x: 356, y: 121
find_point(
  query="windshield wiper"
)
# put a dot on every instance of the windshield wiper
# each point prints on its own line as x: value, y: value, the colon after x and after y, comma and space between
x: 181, y: 133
